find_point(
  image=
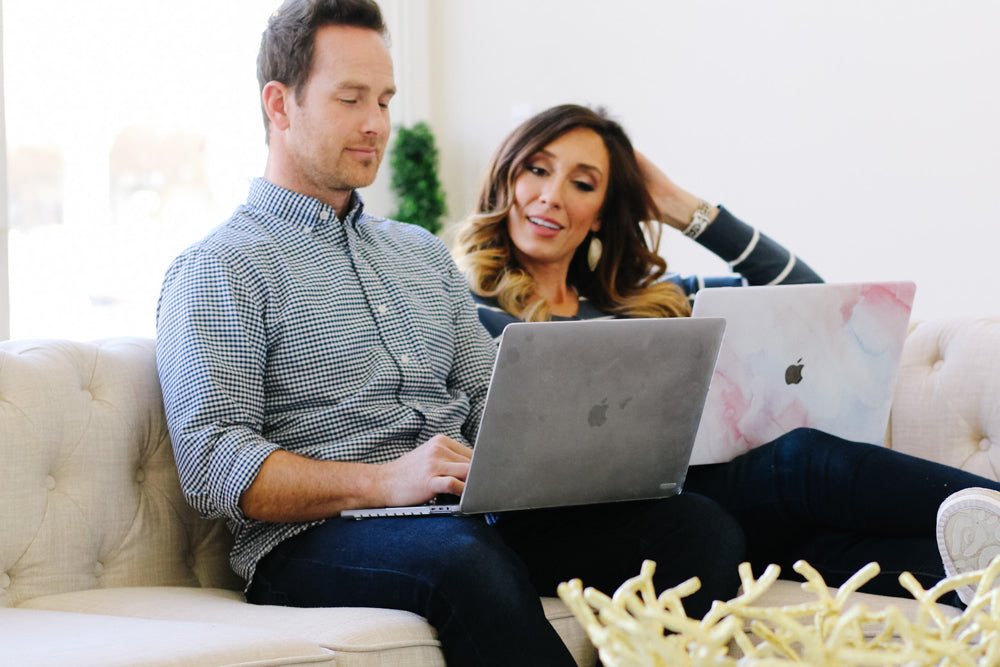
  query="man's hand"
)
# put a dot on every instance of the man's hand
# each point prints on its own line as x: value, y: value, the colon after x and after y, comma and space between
x: 440, y: 465
x: 290, y: 487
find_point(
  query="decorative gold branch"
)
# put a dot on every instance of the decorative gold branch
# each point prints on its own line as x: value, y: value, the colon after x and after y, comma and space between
x: 638, y: 628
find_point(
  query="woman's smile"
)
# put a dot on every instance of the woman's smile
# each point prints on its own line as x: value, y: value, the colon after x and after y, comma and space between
x: 546, y: 226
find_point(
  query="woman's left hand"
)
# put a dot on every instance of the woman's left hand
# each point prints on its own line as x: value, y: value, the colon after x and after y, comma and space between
x: 676, y: 206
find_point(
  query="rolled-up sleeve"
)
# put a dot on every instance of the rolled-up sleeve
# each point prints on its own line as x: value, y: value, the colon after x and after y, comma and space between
x: 211, y: 355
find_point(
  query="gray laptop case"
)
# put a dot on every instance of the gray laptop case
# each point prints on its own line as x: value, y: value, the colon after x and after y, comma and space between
x: 587, y: 412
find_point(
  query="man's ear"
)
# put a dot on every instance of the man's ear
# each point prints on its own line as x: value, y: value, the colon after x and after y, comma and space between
x: 276, y: 97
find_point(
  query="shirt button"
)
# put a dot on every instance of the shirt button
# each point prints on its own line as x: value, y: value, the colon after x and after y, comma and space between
x: 324, y: 215
x: 383, y: 309
x: 405, y: 358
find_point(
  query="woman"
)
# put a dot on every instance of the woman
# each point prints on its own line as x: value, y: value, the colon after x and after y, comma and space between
x: 564, y: 229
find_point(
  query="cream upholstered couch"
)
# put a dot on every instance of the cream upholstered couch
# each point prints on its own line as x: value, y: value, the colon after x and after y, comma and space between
x: 103, y: 563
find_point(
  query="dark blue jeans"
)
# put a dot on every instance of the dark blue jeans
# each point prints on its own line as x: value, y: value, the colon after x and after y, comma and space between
x: 837, y: 504
x: 478, y: 583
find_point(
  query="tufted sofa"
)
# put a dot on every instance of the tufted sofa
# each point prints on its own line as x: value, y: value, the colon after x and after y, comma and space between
x: 103, y: 563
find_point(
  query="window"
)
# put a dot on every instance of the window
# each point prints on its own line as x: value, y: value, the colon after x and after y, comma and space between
x: 132, y: 128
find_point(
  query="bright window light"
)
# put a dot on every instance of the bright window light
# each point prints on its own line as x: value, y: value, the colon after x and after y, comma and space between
x: 133, y: 128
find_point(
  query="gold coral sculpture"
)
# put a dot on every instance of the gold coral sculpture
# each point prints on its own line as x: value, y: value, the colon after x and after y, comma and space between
x: 635, y: 627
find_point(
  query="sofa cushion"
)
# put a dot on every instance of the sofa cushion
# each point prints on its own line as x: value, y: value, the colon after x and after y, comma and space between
x: 358, y: 636
x: 32, y: 637
x: 89, y: 495
x: 945, y: 406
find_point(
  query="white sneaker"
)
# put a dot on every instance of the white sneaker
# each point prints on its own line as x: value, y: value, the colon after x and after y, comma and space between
x: 968, y: 533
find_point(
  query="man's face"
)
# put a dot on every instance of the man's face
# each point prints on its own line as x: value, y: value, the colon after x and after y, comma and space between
x: 339, y: 121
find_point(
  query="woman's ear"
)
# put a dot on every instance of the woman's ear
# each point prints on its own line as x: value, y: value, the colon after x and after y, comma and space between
x: 595, y: 226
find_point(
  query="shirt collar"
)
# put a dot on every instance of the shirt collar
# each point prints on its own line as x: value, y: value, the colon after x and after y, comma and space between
x: 306, y: 213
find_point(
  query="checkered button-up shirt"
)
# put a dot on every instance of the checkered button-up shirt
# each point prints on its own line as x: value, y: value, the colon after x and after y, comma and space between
x: 286, y: 327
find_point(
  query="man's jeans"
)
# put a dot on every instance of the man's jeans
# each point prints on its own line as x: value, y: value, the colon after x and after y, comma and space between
x: 478, y: 582
x: 838, y: 505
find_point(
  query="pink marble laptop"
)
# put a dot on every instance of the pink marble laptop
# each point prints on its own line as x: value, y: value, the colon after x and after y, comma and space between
x: 823, y: 356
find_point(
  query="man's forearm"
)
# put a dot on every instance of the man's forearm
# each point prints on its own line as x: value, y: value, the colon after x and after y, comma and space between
x: 291, y: 488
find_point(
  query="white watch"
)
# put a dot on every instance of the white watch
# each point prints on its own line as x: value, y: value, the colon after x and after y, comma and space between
x: 699, y: 221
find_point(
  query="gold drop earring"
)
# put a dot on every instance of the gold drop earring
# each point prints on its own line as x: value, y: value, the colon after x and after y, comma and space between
x: 594, y: 252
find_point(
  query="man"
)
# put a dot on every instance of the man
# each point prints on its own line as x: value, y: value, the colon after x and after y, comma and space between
x: 314, y: 358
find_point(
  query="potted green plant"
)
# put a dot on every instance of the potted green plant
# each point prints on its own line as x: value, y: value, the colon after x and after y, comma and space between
x: 414, y: 162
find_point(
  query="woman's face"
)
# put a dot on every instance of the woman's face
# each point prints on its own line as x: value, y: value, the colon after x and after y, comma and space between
x: 557, y: 199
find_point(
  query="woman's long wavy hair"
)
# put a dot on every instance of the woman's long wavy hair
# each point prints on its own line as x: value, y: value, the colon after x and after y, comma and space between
x: 625, y: 282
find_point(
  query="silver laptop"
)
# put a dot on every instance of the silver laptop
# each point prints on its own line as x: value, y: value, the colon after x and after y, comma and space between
x: 823, y: 356
x: 586, y: 412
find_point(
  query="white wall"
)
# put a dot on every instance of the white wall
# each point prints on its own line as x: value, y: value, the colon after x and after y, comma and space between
x: 862, y: 133
x: 4, y: 284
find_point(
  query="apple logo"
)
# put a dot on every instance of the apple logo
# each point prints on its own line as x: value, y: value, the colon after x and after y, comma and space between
x: 793, y: 374
x: 598, y: 414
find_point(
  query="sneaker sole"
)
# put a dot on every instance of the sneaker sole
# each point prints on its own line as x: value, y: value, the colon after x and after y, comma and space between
x: 968, y: 533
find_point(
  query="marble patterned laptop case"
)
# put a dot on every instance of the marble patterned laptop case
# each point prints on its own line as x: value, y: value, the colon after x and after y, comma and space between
x: 823, y: 356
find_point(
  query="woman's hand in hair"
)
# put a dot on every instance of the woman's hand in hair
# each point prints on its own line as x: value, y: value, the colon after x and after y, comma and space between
x: 675, y: 204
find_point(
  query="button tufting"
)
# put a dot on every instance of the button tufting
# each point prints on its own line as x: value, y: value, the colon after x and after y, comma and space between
x: 98, y: 568
x: 4, y: 580
x: 50, y: 482
x: 140, y: 475
x: 938, y: 364
x: 190, y: 561
x: 984, y: 444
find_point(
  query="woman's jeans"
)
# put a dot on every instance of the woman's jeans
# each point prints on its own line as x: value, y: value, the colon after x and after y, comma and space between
x: 478, y: 583
x: 838, y: 505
